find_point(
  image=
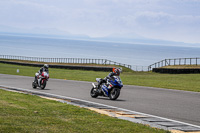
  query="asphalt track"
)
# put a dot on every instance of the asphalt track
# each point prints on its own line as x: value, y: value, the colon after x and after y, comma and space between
x: 172, y: 104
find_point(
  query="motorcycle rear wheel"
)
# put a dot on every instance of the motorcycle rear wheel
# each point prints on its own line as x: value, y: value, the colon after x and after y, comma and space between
x: 93, y: 93
x: 114, y: 93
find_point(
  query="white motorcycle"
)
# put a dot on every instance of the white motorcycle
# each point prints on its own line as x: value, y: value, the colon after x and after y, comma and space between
x: 40, y: 80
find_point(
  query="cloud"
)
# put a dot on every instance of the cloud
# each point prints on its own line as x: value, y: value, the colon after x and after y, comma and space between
x: 162, y: 18
x: 104, y: 17
x: 26, y: 13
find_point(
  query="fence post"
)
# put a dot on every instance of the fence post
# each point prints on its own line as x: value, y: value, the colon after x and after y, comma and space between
x: 185, y: 62
x: 105, y: 62
x: 196, y: 61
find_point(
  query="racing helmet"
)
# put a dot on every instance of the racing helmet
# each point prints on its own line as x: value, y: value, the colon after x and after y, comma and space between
x: 46, y: 66
x: 117, y: 71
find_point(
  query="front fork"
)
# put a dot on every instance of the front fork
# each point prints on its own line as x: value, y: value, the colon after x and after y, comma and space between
x: 94, y: 85
x: 96, y: 89
x: 39, y: 80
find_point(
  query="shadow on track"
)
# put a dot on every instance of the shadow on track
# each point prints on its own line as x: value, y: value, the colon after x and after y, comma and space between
x: 40, y: 89
x: 105, y: 98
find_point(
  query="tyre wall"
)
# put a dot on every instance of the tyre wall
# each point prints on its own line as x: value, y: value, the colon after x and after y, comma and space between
x: 176, y: 71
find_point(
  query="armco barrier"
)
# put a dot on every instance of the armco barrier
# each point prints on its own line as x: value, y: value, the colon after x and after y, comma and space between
x: 176, y: 71
x: 94, y: 68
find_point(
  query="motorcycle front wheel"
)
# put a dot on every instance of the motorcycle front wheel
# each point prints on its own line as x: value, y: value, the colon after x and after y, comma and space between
x: 114, y: 93
x: 93, y: 93
x: 34, y: 84
x: 44, y: 84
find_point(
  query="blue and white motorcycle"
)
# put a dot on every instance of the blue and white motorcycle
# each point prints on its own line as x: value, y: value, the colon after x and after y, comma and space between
x: 111, y: 88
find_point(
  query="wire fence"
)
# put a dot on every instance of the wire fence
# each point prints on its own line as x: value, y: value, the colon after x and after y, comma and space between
x: 139, y: 68
x: 65, y: 60
x: 176, y: 61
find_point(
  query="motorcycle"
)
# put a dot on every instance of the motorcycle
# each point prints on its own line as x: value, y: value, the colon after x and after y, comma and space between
x: 43, y: 78
x: 111, y: 88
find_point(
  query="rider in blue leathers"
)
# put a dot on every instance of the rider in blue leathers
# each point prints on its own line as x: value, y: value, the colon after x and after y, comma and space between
x: 116, y: 72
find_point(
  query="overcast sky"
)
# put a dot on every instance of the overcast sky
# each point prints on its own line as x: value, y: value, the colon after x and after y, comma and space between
x: 175, y: 20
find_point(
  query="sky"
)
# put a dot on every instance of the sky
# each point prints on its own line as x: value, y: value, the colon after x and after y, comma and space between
x: 173, y: 20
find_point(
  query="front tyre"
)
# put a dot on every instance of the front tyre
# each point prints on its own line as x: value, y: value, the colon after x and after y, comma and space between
x: 34, y: 85
x: 114, y: 93
x: 43, y: 85
x: 93, y: 93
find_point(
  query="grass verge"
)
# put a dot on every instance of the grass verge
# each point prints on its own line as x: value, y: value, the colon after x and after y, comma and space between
x: 28, y: 113
x: 187, y: 82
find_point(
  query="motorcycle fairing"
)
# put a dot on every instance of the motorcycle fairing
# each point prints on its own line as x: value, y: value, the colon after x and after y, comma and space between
x: 105, y: 89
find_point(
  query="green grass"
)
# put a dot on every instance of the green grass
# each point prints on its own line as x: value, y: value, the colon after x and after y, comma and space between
x: 21, y: 113
x: 187, y: 82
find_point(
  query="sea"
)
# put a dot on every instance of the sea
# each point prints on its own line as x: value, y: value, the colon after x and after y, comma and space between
x: 139, y: 56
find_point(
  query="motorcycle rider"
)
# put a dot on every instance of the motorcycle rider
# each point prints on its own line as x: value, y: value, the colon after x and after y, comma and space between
x: 116, y: 72
x: 42, y: 69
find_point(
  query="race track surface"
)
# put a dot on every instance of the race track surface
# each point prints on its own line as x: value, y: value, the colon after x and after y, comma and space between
x: 172, y: 104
